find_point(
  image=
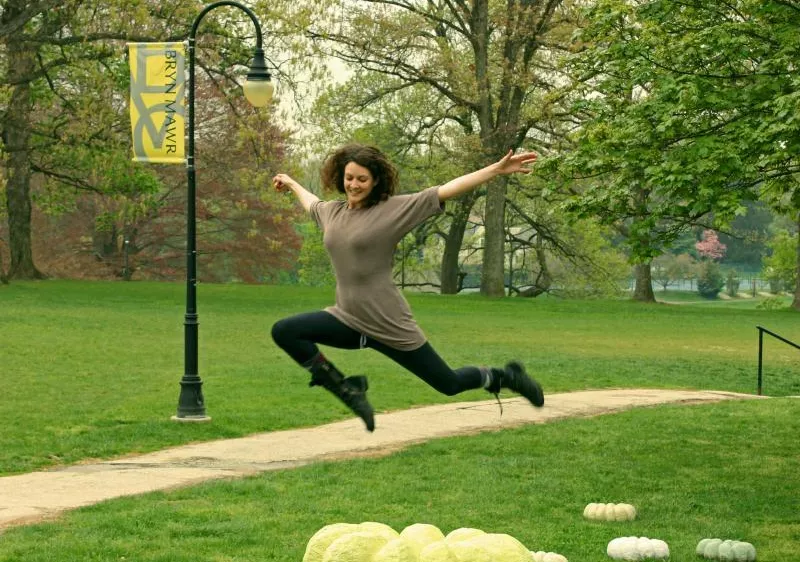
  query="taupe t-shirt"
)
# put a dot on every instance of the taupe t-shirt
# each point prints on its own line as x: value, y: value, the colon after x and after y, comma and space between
x: 361, y: 244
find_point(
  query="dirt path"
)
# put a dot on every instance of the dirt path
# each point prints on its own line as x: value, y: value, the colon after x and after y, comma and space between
x: 36, y: 496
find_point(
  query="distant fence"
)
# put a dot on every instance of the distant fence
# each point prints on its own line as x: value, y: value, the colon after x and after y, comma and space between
x: 747, y: 284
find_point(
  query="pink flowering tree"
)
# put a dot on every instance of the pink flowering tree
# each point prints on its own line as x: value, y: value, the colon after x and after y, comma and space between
x: 709, y: 278
x: 710, y: 247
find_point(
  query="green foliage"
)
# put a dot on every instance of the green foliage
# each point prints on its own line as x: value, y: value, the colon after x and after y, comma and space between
x: 772, y: 303
x: 689, y: 110
x: 597, y: 270
x: 780, y: 268
x: 709, y: 279
x: 314, y: 265
x: 746, y: 239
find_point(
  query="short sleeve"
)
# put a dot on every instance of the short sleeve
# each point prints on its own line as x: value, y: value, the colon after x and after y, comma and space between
x: 413, y: 209
x: 320, y: 211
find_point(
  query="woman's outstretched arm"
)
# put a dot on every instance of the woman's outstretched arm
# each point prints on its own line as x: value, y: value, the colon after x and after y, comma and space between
x: 510, y: 164
x: 282, y: 182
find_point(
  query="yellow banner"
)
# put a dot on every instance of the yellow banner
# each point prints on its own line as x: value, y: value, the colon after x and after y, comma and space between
x: 158, y: 109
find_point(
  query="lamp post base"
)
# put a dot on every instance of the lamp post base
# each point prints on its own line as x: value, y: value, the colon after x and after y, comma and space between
x: 191, y: 406
x: 191, y: 419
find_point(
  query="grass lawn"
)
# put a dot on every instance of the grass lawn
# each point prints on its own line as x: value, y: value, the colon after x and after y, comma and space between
x: 727, y: 470
x: 91, y: 370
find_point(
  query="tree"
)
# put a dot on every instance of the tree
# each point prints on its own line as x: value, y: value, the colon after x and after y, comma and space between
x: 746, y: 238
x: 483, y: 66
x: 710, y: 247
x: 670, y: 268
x: 65, y: 79
x: 779, y: 266
x: 713, y: 122
x: 60, y: 69
x: 245, y: 231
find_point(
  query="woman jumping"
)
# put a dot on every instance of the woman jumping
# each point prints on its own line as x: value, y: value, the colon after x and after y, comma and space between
x: 360, y: 236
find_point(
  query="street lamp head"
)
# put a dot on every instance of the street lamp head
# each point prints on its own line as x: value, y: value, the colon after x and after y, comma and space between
x: 258, y: 87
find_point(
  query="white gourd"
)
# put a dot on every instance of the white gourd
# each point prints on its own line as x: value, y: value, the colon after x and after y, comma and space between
x: 661, y: 549
x: 711, y: 550
x: 637, y: 548
x: 610, y: 512
x: 726, y: 550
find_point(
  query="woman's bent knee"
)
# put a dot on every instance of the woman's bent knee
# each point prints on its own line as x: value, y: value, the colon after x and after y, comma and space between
x: 281, y: 332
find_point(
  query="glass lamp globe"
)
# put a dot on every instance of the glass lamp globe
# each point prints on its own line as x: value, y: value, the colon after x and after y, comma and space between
x: 258, y: 91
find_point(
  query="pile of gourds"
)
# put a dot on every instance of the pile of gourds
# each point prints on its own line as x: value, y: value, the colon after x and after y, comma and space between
x: 423, y: 542
x: 420, y: 542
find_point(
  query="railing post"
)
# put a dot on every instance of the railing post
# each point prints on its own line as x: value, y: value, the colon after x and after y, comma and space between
x: 760, y: 356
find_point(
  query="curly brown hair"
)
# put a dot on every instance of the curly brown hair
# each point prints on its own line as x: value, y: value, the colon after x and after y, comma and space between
x: 383, y: 172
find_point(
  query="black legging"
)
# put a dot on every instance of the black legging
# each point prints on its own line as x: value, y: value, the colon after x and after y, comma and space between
x: 299, y: 335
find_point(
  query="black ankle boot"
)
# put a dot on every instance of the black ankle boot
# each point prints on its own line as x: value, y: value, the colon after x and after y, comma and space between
x: 514, y: 378
x: 350, y: 390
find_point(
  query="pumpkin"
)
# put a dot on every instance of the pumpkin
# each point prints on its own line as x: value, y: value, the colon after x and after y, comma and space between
x: 462, y: 534
x: 726, y: 550
x: 466, y: 552
x: 637, y: 548
x: 500, y: 547
x: 437, y: 552
x: 397, y: 550
x: 421, y: 535
x: 360, y: 546
x: 610, y: 512
x: 323, y: 538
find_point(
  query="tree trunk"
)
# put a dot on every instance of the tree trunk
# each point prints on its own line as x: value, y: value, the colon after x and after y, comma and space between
x: 16, y: 134
x: 543, y: 280
x: 643, y: 290
x: 3, y: 278
x: 451, y: 280
x: 492, y: 273
x: 796, y: 301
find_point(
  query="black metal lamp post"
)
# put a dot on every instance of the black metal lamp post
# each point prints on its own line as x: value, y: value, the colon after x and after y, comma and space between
x: 258, y: 91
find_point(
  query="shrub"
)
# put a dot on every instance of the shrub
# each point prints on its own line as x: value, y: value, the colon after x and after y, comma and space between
x: 709, y: 280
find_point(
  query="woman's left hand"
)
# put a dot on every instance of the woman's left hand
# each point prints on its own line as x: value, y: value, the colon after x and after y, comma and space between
x: 515, y: 163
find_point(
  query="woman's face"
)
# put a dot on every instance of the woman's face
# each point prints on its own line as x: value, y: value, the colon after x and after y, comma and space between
x: 358, y: 184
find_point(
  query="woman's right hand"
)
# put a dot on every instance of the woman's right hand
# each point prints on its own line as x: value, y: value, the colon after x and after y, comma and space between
x: 283, y: 182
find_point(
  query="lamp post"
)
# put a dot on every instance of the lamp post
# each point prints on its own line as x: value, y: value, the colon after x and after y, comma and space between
x: 258, y: 91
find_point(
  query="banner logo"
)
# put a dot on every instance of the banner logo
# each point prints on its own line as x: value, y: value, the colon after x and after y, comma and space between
x: 157, y: 105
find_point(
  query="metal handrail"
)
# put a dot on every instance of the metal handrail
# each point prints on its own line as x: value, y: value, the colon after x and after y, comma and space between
x: 761, y: 331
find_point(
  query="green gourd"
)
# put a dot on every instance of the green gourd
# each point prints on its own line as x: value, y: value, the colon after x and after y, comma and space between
x: 726, y: 550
